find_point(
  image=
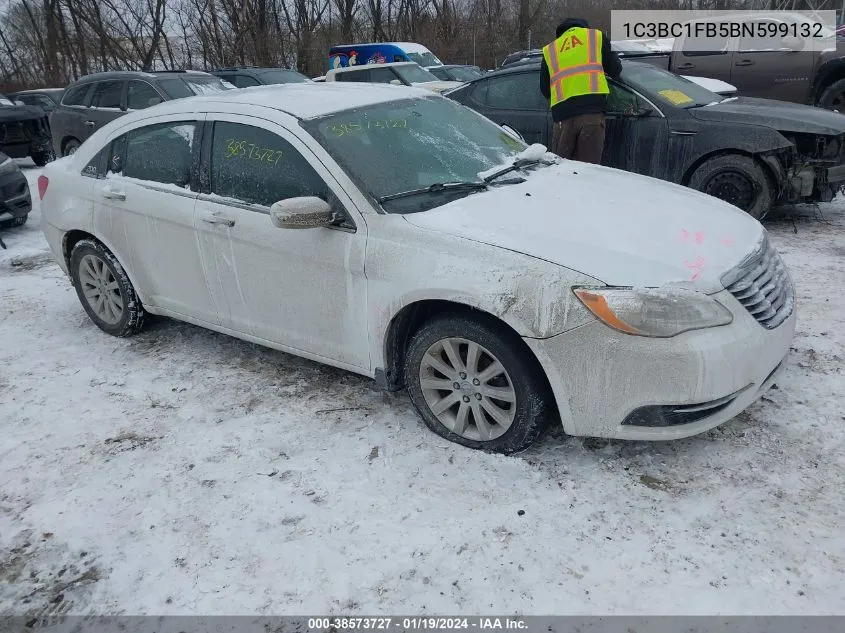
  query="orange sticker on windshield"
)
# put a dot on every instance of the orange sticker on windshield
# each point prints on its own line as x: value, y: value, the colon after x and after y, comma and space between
x: 675, y: 97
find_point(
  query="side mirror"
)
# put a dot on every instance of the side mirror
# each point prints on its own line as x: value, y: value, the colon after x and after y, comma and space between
x: 512, y: 132
x: 306, y: 212
x: 396, y: 82
x: 20, y: 103
x: 793, y: 43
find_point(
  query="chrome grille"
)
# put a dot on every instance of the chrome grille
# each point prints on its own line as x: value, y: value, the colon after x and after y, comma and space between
x: 762, y: 284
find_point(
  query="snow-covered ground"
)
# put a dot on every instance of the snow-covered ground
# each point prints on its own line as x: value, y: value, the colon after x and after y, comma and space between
x: 182, y: 471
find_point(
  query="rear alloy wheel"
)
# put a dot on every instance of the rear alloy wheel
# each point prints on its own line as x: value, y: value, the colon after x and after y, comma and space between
x: 70, y: 147
x: 738, y: 180
x: 833, y: 97
x: 475, y: 386
x: 104, y: 289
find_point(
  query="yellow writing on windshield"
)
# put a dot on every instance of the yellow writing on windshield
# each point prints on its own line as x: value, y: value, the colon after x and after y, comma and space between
x: 250, y: 151
x: 675, y: 97
x: 342, y: 129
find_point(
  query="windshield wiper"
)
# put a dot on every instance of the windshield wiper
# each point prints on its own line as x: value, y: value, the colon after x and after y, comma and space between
x: 532, y: 155
x: 437, y: 188
x: 517, y: 164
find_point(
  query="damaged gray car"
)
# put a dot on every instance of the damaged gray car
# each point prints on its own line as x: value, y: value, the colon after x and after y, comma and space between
x: 754, y: 153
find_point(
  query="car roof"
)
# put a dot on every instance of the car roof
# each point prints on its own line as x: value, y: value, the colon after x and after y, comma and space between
x: 252, y: 69
x: 369, y: 66
x: 137, y: 74
x: 758, y: 15
x: 534, y: 64
x: 37, y: 90
x: 301, y: 100
x: 412, y: 47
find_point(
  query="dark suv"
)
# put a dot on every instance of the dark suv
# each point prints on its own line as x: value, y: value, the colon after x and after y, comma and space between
x: 244, y: 77
x: 24, y: 131
x: 94, y: 100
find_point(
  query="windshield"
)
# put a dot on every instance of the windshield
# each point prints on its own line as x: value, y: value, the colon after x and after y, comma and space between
x: 282, y: 77
x: 188, y: 86
x: 424, y: 59
x: 413, y: 74
x: 464, y: 73
x: 667, y: 88
x: 405, y: 145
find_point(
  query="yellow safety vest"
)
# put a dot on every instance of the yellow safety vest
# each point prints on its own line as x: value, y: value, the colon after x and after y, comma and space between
x: 574, y: 62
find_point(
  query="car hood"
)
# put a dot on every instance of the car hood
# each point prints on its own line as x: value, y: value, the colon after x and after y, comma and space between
x: 621, y: 228
x: 780, y: 115
x: 20, y: 113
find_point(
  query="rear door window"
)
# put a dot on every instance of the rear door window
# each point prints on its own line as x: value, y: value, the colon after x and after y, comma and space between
x: 355, y: 75
x: 108, y: 94
x: 75, y: 96
x: 162, y: 153
x: 140, y: 95
x: 704, y: 45
x: 382, y: 75
x: 512, y: 92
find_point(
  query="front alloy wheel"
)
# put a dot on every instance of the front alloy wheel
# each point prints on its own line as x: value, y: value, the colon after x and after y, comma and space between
x: 476, y: 384
x: 468, y: 389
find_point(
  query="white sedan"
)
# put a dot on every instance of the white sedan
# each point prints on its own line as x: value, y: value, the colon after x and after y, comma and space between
x: 505, y: 288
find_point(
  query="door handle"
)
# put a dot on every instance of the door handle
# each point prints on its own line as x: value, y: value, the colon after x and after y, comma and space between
x: 213, y: 218
x: 90, y: 123
x: 109, y: 194
x: 744, y: 62
x: 686, y: 66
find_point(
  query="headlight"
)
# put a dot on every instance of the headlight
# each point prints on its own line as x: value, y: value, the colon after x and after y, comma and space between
x: 656, y: 313
x: 8, y: 166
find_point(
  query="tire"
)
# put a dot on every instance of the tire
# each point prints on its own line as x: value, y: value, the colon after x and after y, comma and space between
x: 522, y: 379
x: 833, y: 97
x: 42, y: 158
x: 93, y: 269
x: 739, y: 180
x: 19, y: 221
x: 70, y: 146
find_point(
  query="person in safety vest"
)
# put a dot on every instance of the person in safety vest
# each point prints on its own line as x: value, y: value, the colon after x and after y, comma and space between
x: 573, y: 77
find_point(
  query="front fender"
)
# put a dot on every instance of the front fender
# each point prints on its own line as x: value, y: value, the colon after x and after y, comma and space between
x: 724, y: 138
x: 405, y: 266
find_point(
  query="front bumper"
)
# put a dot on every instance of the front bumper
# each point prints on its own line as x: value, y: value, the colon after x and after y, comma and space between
x: 601, y: 377
x: 15, y: 198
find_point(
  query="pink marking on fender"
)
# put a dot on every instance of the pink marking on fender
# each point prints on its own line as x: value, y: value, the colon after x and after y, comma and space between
x: 727, y: 241
x: 695, y: 266
x: 699, y: 237
x: 684, y: 235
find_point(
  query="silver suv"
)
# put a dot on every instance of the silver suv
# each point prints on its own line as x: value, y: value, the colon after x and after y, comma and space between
x: 94, y: 100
